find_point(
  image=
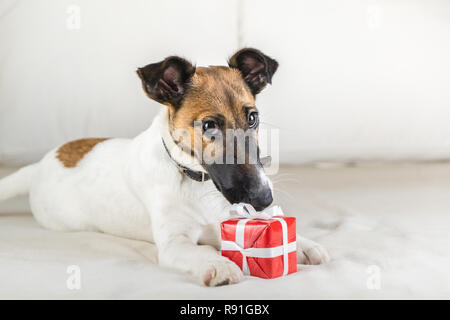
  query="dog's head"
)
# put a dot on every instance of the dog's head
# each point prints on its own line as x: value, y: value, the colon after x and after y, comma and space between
x: 216, y: 107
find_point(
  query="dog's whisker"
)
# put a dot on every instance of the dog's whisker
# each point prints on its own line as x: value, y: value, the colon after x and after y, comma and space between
x: 284, y: 174
x: 286, y: 180
x: 295, y: 181
x: 283, y: 192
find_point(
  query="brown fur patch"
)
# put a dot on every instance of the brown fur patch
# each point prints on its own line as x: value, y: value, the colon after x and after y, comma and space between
x: 215, y: 90
x: 72, y: 152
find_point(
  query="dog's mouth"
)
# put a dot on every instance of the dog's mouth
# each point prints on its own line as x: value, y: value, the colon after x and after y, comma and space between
x: 242, y: 183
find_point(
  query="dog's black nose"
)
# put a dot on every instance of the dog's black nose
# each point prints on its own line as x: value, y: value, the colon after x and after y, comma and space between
x: 262, y: 200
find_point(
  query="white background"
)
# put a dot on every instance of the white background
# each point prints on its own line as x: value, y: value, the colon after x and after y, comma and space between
x: 357, y: 79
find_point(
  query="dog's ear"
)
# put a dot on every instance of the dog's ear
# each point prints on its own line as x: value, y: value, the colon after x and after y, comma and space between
x: 257, y: 69
x: 168, y: 80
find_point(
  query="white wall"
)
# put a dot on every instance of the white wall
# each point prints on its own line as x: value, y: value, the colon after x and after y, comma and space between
x: 357, y: 79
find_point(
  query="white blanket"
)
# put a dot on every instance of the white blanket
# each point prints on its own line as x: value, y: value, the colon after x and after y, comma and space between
x: 387, y: 229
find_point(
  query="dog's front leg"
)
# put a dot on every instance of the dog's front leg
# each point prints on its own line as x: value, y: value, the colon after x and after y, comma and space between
x: 176, y: 234
x: 310, y: 252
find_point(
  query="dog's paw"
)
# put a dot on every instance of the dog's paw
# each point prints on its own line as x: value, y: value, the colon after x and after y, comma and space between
x: 221, y: 272
x: 310, y: 252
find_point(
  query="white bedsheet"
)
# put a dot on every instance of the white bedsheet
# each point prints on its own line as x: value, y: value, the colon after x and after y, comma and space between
x: 391, y: 218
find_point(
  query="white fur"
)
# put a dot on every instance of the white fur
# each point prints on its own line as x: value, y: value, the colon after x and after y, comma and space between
x: 131, y: 188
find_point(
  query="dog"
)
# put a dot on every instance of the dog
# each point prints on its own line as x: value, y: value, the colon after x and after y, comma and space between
x: 150, y: 188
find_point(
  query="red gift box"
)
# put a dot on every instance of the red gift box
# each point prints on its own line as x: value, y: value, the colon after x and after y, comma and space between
x: 264, y: 248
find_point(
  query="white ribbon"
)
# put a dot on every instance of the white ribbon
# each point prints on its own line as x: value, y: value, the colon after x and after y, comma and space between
x: 246, y: 212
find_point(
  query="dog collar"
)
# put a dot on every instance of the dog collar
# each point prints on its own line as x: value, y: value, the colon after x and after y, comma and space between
x: 199, y: 176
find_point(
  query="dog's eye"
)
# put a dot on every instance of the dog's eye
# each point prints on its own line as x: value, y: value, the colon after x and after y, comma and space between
x: 253, y: 120
x: 209, y: 125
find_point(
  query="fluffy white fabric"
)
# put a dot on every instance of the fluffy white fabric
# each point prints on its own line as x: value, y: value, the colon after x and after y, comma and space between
x: 393, y: 217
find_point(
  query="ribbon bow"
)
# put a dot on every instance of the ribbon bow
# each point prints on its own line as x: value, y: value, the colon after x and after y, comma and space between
x: 245, y: 210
